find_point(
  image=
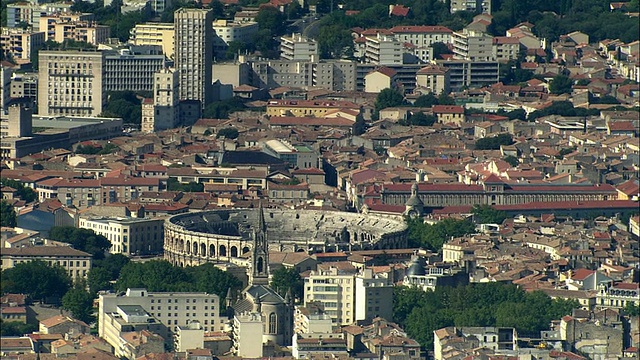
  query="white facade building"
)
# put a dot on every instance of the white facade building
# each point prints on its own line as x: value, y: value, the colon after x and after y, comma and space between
x: 374, y: 293
x: 128, y: 236
x: 298, y: 48
x: 383, y: 50
x: 247, y: 334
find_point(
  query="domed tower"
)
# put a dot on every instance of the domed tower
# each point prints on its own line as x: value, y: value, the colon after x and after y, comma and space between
x: 414, y: 207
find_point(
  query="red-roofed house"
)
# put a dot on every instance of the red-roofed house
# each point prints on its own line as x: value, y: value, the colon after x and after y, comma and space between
x: 398, y: 10
x: 449, y: 114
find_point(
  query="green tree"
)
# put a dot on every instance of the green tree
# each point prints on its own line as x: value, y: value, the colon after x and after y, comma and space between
x: 440, y: 49
x: 288, y: 280
x: 419, y: 119
x: 235, y: 48
x: 494, y: 142
x: 24, y: 192
x: 561, y: 84
x: 82, y: 239
x: 113, y: 263
x: 80, y: 303
x: 16, y: 328
x: 427, y: 100
x: 434, y: 236
x: 36, y: 279
x: 445, y: 99
x: 271, y: 19
x: 174, y: 185
x: 388, y: 98
x: 487, y: 214
x: 7, y: 214
x: 222, y: 109
x: 631, y: 310
x: 335, y: 42
x: 208, y: 278
x: 228, y: 133
x: 512, y: 160
x: 98, y: 279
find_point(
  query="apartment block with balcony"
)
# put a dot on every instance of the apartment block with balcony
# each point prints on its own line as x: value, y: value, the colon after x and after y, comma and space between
x: 383, y: 50
x: 422, y: 36
x: 19, y: 43
x: 247, y: 334
x: 48, y: 21
x: 71, y: 83
x: 125, y: 319
x: 298, y: 48
x: 337, y: 75
x: 467, y: 73
x: 472, y: 45
x: 83, y: 31
x: 132, y: 69
x: 333, y: 287
x: 505, y: 48
x: 30, y: 13
x: 128, y: 236
x: 162, y: 34
x: 433, y: 79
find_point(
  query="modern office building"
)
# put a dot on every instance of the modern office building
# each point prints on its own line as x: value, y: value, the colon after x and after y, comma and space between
x: 19, y: 43
x: 298, y: 48
x: 71, y: 82
x: 128, y: 236
x: 162, y: 34
x: 194, y: 54
x: 132, y: 69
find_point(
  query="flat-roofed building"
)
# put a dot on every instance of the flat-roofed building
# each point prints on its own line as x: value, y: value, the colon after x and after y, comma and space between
x: 82, y: 31
x: 300, y: 156
x: 25, y: 85
x: 227, y: 31
x: 162, y: 34
x: 298, y: 48
x: 172, y: 309
x: 71, y: 82
x: 19, y: 43
x: 128, y: 236
x: 75, y: 262
x: 133, y: 69
x: 302, y: 108
x: 124, y: 319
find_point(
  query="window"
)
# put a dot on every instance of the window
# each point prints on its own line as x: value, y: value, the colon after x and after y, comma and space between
x: 273, y: 326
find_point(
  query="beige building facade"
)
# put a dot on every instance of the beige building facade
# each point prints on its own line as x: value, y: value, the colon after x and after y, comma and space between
x: 19, y: 43
x: 71, y: 83
x: 128, y: 236
x: 75, y: 262
x: 155, y: 34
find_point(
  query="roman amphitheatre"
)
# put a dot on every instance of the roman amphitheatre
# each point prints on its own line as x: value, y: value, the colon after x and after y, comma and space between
x: 220, y: 235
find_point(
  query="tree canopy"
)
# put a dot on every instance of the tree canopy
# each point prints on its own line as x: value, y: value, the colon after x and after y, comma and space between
x: 7, y: 214
x: 388, y: 98
x: 82, y: 239
x: 561, y: 84
x: 174, y: 185
x: 434, y: 236
x: 79, y: 302
x: 419, y: 119
x: 160, y: 275
x: 24, y: 192
x: 287, y: 279
x: 478, y: 304
x: 37, y: 279
x: 222, y: 109
x: 494, y: 142
x: 487, y: 214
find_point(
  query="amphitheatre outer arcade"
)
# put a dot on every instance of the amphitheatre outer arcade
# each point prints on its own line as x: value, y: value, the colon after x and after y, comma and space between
x: 221, y: 235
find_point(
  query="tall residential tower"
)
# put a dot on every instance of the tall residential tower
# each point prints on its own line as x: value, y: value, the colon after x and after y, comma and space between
x: 194, y: 54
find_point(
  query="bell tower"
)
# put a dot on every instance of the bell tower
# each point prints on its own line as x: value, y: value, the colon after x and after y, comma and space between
x: 260, y: 257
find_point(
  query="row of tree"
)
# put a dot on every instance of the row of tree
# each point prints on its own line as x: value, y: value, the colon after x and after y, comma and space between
x: 481, y: 304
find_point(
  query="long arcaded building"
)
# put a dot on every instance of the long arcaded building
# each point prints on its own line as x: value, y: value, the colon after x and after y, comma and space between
x: 220, y: 235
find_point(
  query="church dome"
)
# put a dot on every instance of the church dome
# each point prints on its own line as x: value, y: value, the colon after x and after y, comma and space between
x: 416, y: 268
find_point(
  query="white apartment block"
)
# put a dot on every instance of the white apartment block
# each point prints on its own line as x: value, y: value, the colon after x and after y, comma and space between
x: 163, y: 111
x: 383, y: 50
x: 248, y: 330
x: 71, y: 83
x: 472, y: 45
x: 19, y: 43
x: 298, y: 48
x: 128, y: 236
x: 422, y: 36
x: 333, y: 288
x: 505, y: 48
x: 338, y: 75
x: 162, y: 34
x: 75, y: 262
x: 433, y: 79
x: 172, y: 309
x: 373, y: 294
x: 240, y: 31
x: 309, y: 319
x: 481, y: 6
x: 194, y: 54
